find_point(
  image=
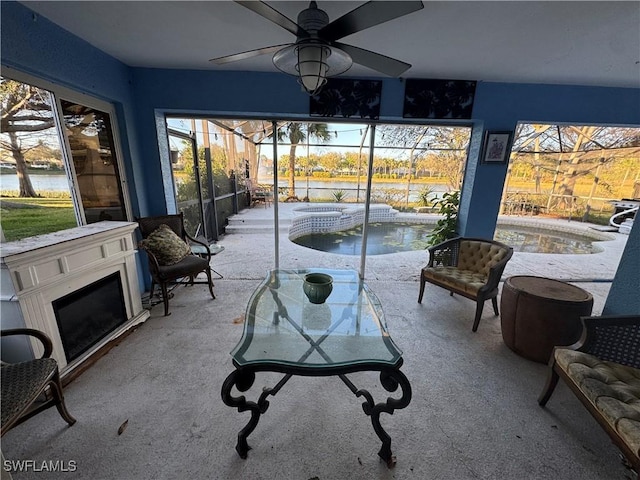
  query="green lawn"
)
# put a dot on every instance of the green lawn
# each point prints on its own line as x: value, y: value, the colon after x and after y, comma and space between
x: 26, y: 217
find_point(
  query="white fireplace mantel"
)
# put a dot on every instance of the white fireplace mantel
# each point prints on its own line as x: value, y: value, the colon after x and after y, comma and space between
x: 39, y: 270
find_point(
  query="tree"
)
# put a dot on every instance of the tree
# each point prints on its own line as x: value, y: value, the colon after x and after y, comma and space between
x: 42, y: 151
x: 440, y: 148
x: 571, y: 174
x: 331, y: 161
x: 25, y: 108
x: 297, y: 133
x: 351, y: 162
x: 451, y: 157
x: 571, y: 157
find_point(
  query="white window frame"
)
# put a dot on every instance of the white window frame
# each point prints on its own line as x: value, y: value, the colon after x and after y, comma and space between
x: 63, y: 93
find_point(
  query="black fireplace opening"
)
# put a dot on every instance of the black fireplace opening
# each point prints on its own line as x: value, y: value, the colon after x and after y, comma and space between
x: 89, y: 314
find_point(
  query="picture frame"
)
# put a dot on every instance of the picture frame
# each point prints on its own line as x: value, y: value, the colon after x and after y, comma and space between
x: 496, y: 147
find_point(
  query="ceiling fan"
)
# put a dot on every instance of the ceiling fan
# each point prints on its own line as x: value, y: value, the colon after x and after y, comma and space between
x: 316, y: 53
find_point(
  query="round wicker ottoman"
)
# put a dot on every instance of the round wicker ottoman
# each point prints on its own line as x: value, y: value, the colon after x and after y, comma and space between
x: 539, y: 313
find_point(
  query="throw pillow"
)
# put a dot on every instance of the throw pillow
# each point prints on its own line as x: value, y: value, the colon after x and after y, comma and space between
x: 166, y: 246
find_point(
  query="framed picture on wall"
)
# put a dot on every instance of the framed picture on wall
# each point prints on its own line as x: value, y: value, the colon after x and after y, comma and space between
x: 497, y: 146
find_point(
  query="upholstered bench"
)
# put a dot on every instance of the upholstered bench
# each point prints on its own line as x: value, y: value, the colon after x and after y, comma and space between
x: 470, y: 267
x: 603, y: 371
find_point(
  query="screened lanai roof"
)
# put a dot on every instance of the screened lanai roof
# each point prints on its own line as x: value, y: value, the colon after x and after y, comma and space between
x: 583, y: 141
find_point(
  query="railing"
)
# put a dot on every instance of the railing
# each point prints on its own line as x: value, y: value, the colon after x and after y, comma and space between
x: 570, y: 206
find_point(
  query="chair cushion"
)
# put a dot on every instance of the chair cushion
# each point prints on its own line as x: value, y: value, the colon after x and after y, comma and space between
x: 166, y: 246
x: 613, y: 388
x: 464, y: 280
x: 22, y: 383
x: 189, y: 265
x: 479, y: 256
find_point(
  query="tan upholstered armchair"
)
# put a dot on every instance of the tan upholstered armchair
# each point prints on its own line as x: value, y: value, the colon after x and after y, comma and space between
x: 470, y: 267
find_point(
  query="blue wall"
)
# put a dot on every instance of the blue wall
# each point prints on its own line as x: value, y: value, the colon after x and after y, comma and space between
x: 34, y: 45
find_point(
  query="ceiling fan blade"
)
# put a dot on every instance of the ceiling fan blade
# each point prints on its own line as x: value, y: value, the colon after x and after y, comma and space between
x: 375, y: 61
x: 248, y: 54
x: 274, y: 16
x: 365, y: 16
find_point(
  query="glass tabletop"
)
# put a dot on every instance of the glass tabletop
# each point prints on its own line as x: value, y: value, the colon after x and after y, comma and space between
x: 283, y: 327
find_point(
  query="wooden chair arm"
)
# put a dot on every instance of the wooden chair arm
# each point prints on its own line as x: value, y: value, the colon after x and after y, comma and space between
x: 41, y: 336
x: 199, y: 242
x: 447, y: 245
x: 153, y: 261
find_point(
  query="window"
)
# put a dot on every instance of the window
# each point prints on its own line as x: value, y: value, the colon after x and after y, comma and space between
x: 412, y: 166
x: 572, y: 171
x: 55, y: 178
x: 91, y: 143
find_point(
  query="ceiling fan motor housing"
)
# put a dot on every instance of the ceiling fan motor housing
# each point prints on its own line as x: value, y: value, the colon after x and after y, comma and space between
x: 312, y: 19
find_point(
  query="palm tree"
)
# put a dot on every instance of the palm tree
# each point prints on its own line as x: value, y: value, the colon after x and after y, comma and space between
x: 298, y: 133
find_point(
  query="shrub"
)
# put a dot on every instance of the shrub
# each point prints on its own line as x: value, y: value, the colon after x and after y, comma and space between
x: 423, y: 196
x: 445, y: 227
x: 339, y: 195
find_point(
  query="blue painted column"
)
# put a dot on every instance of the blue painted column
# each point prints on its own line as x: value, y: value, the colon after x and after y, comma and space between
x: 481, y: 188
x: 624, y: 295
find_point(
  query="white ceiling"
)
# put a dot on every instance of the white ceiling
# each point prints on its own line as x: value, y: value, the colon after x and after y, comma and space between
x: 575, y: 42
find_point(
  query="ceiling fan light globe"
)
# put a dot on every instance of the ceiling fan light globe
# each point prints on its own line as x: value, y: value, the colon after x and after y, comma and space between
x: 286, y: 60
x: 312, y: 66
x: 312, y: 62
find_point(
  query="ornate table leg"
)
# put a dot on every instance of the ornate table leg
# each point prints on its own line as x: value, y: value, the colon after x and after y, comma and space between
x: 243, y: 380
x: 390, y: 379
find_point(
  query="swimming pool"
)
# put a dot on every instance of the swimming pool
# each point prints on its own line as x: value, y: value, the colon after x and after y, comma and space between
x: 392, y: 237
x: 536, y: 240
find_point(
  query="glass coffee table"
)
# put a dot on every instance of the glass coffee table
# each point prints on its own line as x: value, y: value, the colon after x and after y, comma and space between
x: 284, y: 332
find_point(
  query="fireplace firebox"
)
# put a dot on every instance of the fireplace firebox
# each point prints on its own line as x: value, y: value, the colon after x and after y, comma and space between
x: 89, y: 314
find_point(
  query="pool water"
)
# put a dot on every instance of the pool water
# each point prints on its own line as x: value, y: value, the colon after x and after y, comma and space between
x: 536, y: 241
x: 382, y: 238
x: 393, y: 237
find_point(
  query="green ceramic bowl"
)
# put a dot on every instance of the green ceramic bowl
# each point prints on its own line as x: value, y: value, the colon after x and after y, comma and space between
x: 317, y: 287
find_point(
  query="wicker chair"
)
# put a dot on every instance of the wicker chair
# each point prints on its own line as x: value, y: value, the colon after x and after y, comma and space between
x: 603, y: 370
x: 188, y: 267
x: 470, y: 267
x: 24, y: 383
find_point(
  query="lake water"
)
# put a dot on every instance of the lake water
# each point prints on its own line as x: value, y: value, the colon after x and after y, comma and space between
x: 317, y: 190
x: 57, y: 183
x: 324, y: 190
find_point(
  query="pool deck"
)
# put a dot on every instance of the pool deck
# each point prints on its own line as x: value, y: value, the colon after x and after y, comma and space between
x: 249, y: 252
